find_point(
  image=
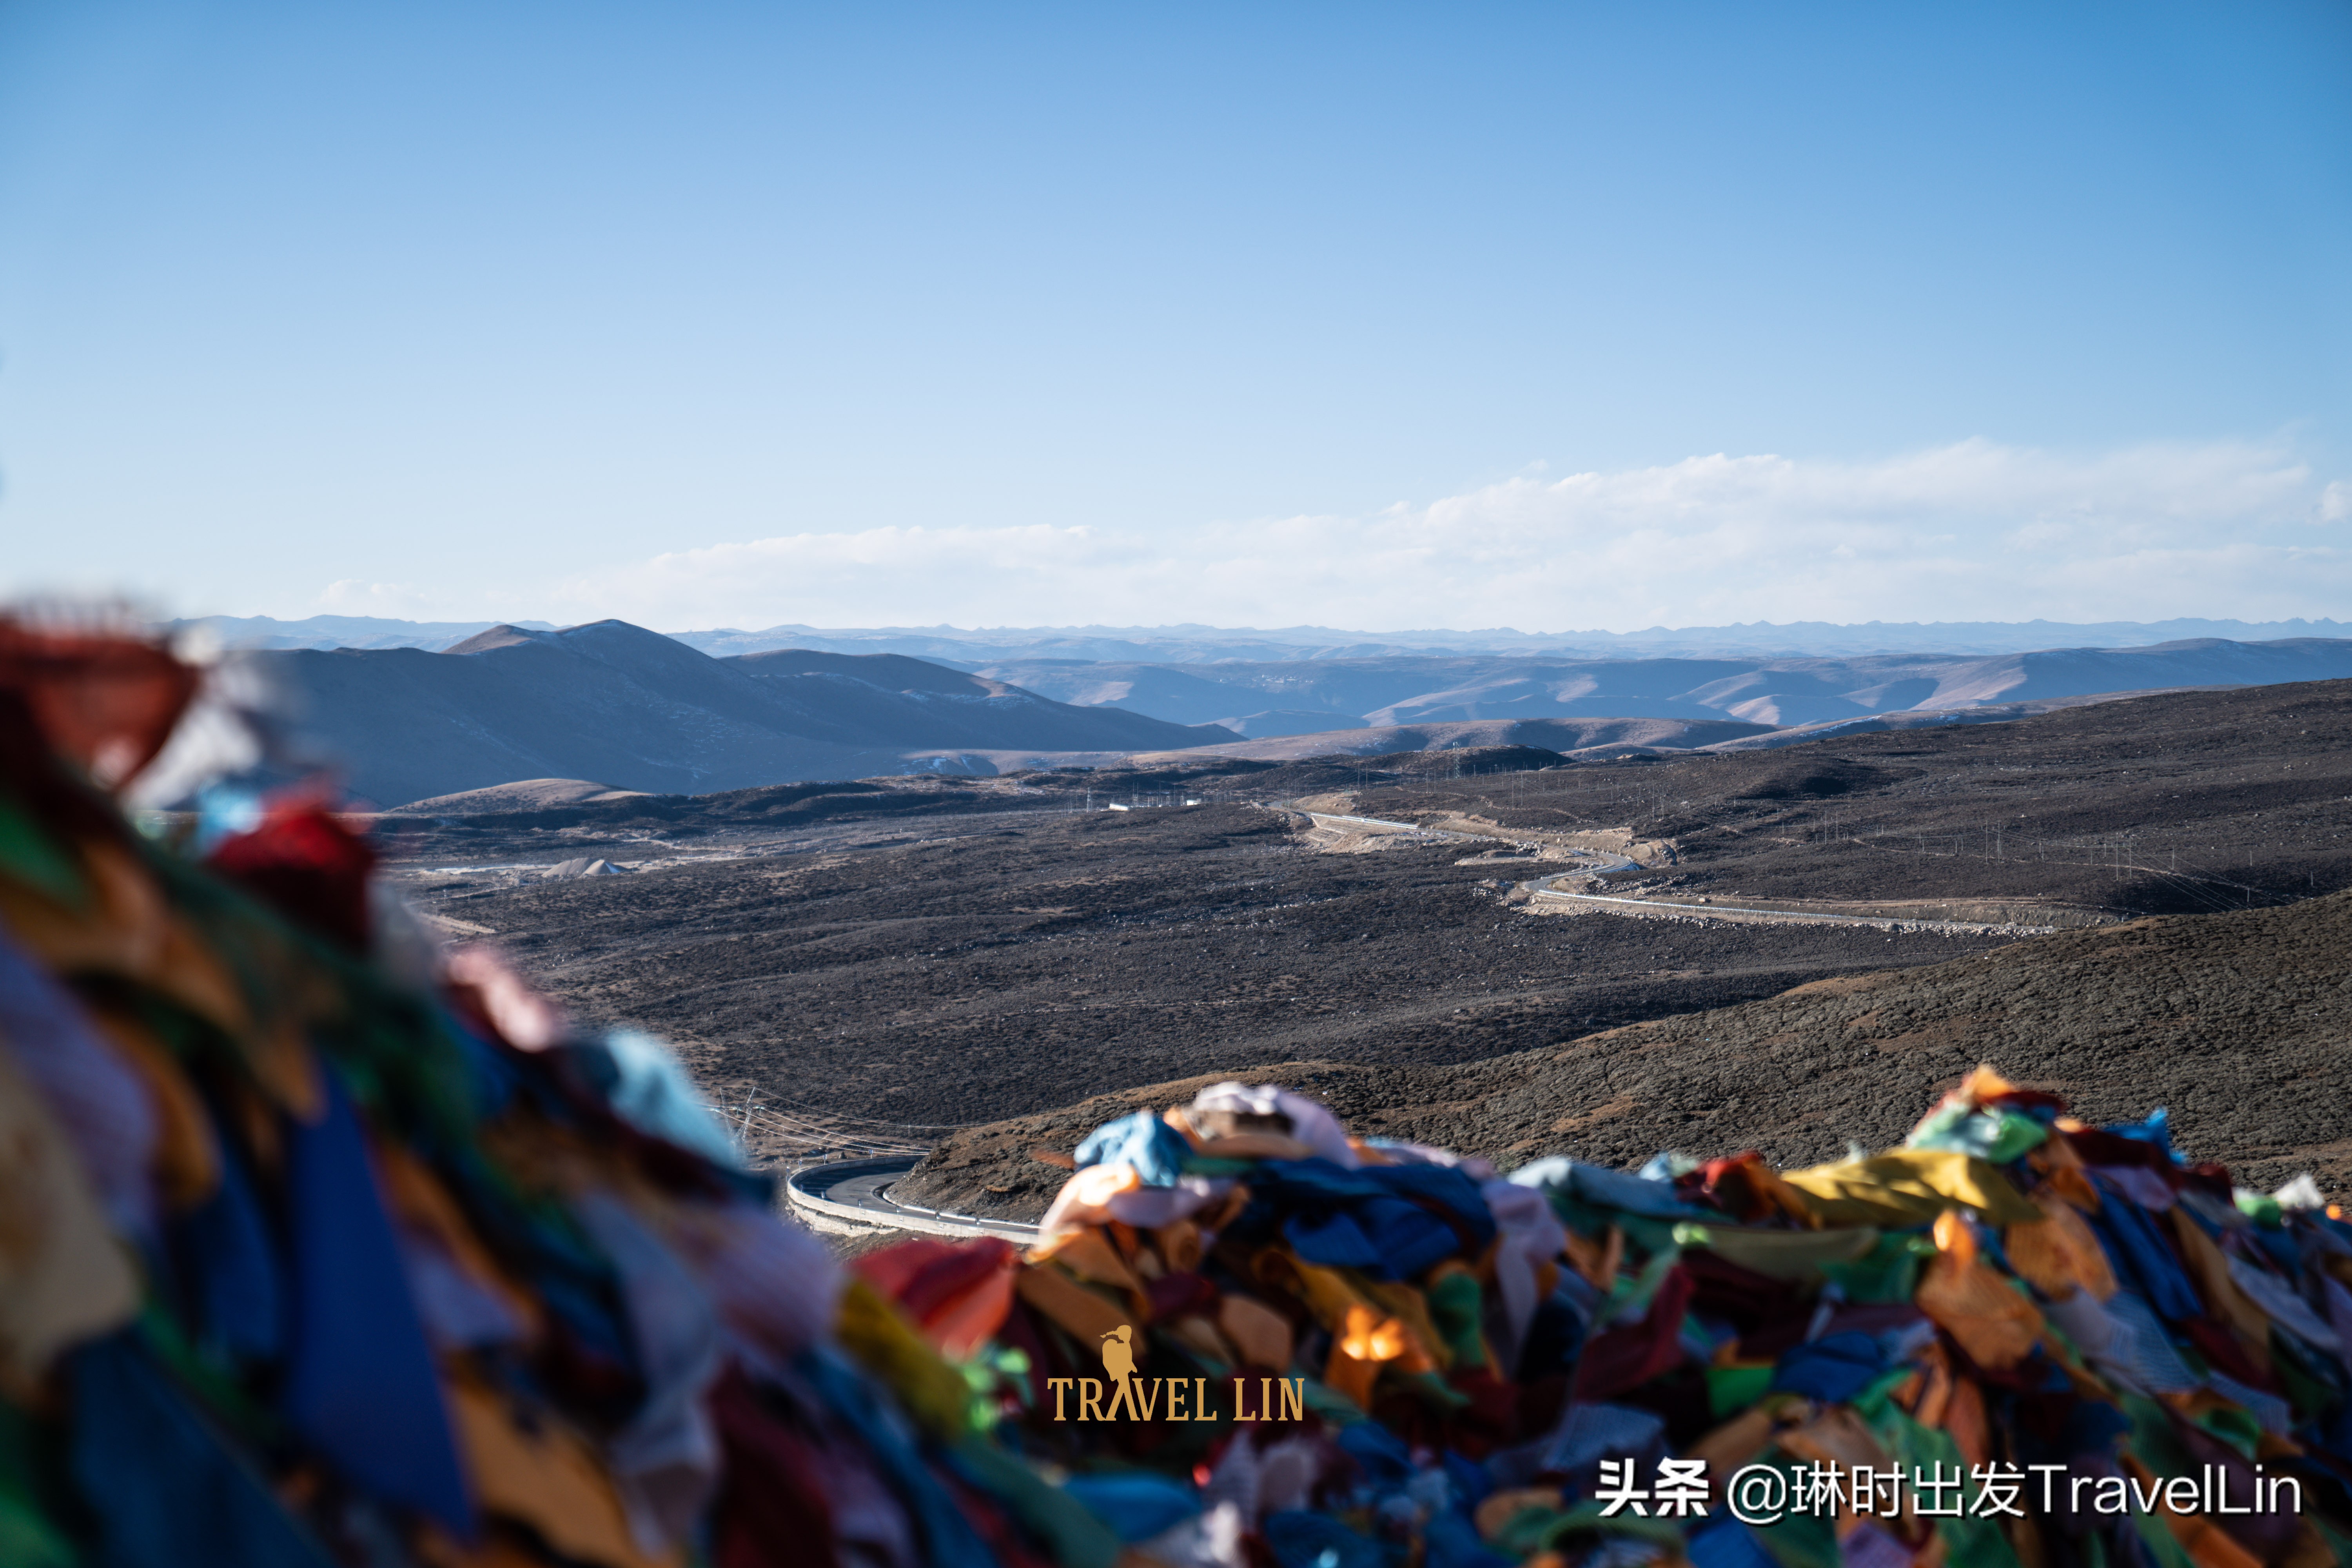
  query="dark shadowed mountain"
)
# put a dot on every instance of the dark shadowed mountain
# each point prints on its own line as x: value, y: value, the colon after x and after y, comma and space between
x: 639, y: 710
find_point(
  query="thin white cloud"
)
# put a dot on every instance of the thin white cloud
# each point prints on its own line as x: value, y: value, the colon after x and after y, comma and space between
x: 1969, y: 531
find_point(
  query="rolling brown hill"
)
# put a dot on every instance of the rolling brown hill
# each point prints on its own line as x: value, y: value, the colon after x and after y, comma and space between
x: 2239, y: 1025
x: 2180, y: 802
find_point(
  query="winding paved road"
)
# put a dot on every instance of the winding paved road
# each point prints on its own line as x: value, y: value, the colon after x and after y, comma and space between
x: 858, y: 1192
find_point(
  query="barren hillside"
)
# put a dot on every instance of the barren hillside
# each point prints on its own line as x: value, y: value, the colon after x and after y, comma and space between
x: 2240, y: 1025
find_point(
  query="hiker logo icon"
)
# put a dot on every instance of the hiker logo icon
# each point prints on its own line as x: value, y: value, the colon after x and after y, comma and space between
x: 1119, y: 1354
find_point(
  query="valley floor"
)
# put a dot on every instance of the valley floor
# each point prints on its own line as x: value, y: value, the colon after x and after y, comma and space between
x: 913, y: 960
x: 1008, y: 966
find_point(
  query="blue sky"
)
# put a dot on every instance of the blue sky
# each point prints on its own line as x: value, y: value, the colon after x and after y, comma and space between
x: 1548, y: 315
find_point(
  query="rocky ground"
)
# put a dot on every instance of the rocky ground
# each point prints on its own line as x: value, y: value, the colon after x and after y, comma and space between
x: 2237, y: 1023
x: 936, y: 954
x: 1002, y: 964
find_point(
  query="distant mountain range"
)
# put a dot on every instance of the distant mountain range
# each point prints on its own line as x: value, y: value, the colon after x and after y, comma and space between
x: 637, y: 710
x: 339, y: 631
x: 1264, y: 700
x: 1193, y: 644
x: 1199, y: 643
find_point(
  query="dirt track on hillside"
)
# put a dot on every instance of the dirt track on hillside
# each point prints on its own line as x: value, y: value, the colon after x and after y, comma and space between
x: 1004, y: 969
x: 935, y: 954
